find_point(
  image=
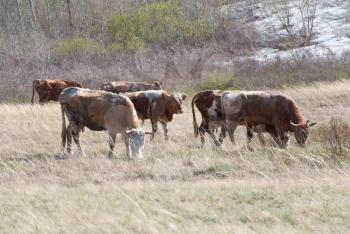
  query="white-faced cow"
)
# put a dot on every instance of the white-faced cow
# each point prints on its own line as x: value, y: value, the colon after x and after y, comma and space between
x: 99, y: 110
x: 123, y: 86
x: 49, y: 90
x: 158, y: 106
x: 278, y: 113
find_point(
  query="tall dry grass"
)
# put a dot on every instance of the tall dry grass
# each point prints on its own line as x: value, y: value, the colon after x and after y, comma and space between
x: 178, y: 187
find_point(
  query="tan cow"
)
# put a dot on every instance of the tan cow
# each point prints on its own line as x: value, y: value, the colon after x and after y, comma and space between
x: 158, y: 106
x: 124, y: 86
x: 99, y: 110
x: 49, y: 90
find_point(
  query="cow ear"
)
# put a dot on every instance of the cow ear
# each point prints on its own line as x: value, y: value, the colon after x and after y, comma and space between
x: 183, y: 96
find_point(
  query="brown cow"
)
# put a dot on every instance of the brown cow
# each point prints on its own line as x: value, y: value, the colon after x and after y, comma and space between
x: 49, y: 90
x: 123, y: 86
x: 209, y: 104
x: 279, y: 113
x: 157, y: 105
x: 99, y: 110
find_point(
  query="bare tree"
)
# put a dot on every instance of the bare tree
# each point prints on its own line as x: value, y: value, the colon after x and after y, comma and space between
x: 307, y: 9
x: 19, y: 14
x: 282, y: 9
x: 300, y: 25
x: 32, y: 7
x: 69, y: 10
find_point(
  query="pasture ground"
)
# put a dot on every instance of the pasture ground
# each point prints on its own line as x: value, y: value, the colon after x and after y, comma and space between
x: 178, y: 187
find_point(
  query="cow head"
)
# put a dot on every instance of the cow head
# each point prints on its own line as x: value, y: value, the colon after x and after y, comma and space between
x: 136, y: 137
x: 301, y: 131
x: 176, y: 103
x: 158, y: 85
x: 42, y: 84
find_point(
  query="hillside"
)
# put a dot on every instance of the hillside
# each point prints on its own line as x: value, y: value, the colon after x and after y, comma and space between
x: 189, y: 45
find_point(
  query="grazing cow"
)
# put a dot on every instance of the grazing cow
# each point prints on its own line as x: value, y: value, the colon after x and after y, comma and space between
x: 50, y: 89
x: 123, y: 86
x: 279, y: 114
x: 99, y: 110
x: 158, y: 106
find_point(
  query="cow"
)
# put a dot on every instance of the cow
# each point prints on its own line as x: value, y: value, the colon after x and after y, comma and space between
x: 99, y: 111
x: 277, y: 112
x: 123, y: 86
x: 49, y: 90
x: 158, y: 106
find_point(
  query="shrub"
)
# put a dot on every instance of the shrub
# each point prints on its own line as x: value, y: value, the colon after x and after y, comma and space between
x: 216, y: 80
x: 339, y: 136
x: 161, y: 23
x: 76, y: 47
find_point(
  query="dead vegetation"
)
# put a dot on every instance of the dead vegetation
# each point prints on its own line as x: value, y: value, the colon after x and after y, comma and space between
x: 178, y: 187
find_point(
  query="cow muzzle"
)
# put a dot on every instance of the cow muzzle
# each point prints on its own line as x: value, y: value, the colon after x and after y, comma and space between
x: 137, y: 141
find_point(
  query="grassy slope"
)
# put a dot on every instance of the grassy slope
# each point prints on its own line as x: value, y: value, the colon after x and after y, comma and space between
x: 178, y: 187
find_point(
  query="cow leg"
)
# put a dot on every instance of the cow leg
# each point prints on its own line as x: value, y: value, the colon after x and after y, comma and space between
x: 222, y: 135
x: 275, y: 139
x: 165, y: 128
x: 261, y: 138
x: 282, y: 138
x: 211, y: 133
x: 250, y: 135
x: 202, y: 133
x: 111, y: 137
x: 231, y: 128
x: 69, y: 138
x: 77, y: 140
x: 41, y: 101
x: 154, y: 129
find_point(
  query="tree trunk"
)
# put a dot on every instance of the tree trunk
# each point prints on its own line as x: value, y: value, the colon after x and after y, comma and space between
x: 3, y: 22
x: 171, y: 71
x: 32, y: 7
x: 19, y: 14
x: 69, y: 9
x: 48, y: 18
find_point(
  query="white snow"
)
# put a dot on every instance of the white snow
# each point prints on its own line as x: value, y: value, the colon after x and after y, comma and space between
x: 331, y: 28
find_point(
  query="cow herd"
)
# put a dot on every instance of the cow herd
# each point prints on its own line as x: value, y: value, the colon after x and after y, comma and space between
x: 119, y: 107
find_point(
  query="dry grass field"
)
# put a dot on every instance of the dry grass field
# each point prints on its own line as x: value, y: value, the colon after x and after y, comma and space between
x: 178, y: 187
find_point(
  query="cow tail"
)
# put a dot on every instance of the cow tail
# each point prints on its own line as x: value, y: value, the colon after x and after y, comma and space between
x: 33, y: 94
x: 195, y: 125
x: 64, y: 128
